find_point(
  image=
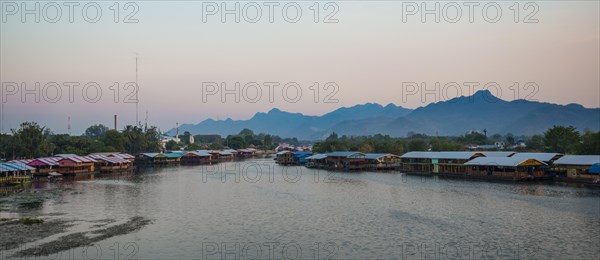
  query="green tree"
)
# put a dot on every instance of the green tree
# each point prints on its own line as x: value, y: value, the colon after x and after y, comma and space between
x: 134, y: 139
x: 29, y: 141
x: 172, y: 145
x: 268, y: 142
x: 365, y: 148
x: 152, y: 139
x: 417, y: 145
x: 535, y: 143
x: 114, y: 141
x: 561, y: 139
x: 193, y: 147
x: 6, y: 142
x: 236, y: 142
x: 246, y: 132
x: 510, y: 139
x: 590, y: 143
x: 96, y: 131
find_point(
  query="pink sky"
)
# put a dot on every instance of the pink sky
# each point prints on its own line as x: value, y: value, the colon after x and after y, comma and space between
x: 369, y: 53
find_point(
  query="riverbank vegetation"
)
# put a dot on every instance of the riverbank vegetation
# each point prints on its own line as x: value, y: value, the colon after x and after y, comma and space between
x: 32, y: 141
x: 559, y: 139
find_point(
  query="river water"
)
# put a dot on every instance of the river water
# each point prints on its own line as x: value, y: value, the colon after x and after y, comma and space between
x: 257, y: 210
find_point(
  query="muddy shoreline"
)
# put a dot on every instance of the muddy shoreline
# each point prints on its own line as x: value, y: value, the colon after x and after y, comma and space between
x: 34, y: 235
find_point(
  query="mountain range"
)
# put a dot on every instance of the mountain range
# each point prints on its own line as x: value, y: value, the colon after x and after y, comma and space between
x: 452, y: 117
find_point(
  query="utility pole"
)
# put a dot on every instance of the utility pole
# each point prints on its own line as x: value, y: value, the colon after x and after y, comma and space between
x: 137, y: 89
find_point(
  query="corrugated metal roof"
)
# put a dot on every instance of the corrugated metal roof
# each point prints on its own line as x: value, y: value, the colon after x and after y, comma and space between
x: 65, y: 155
x: 497, y: 154
x: 151, y: 155
x: 124, y: 155
x: 51, y: 161
x: 225, y: 153
x: 201, y: 154
x: 79, y: 159
x: 172, y: 155
x: 283, y: 152
x: 544, y: 157
x: 25, y: 161
x: 115, y: 160
x: 377, y: 156
x: 344, y: 154
x: 440, y: 155
x: 317, y: 156
x: 578, y: 160
x: 15, y: 166
x: 500, y: 161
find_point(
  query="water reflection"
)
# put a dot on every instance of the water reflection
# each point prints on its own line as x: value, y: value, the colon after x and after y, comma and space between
x: 200, y: 210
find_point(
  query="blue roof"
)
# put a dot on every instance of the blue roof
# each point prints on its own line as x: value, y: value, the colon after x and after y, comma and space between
x: 595, y: 168
x: 173, y: 155
x: 317, y: 156
x: 14, y: 166
x: 302, y: 154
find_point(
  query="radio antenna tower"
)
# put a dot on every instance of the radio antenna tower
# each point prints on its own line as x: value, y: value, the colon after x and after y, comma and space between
x: 146, y: 121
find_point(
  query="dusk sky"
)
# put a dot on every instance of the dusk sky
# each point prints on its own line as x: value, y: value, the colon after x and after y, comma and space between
x: 368, y: 54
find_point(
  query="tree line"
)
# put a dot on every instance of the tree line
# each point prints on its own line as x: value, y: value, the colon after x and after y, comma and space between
x: 244, y: 139
x: 560, y: 139
x: 32, y: 140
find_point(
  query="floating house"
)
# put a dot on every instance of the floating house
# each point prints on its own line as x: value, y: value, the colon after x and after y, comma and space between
x: 437, y: 162
x: 125, y: 156
x: 15, y: 173
x: 44, y: 166
x: 173, y: 158
x: 110, y: 164
x: 226, y: 155
x: 246, y: 153
x: 382, y: 161
x: 316, y: 161
x: 284, y: 157
x: 506, y: 167
x: 196, y: 158
x: 75, y: 165
x: 345, y: 161
x: 577, y: 166
x: 292, y: 158
x: 150, y: 159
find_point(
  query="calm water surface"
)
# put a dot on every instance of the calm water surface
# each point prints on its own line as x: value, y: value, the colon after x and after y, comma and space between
x: 233, y: 212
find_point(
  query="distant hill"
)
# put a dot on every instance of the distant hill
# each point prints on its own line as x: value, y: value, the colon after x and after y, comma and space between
x: 453, y: 117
